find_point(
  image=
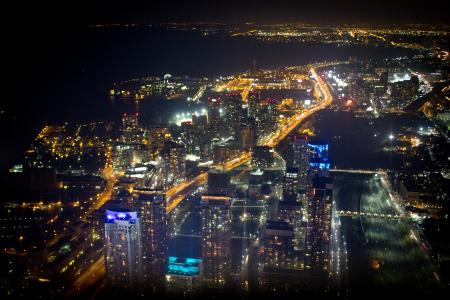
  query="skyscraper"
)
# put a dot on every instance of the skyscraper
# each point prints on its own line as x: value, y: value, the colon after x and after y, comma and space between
x: 174, y: 156
x: 291, y: 184
x: 188, y: 136
x: 281, y: 262
x: 247, y: 135
x: 151, y: 206
x: 319, y: 224
x: 290, y: 211
x: 234, y: 113
x: 253, y: 102
x: 131, y: 132
x: 299, y: 158
x: 123, y: 255
x: 214, y: 117
x: 278, y: 246
x: 200, y: 135
x: 216, y: 238
x: 318, y: 158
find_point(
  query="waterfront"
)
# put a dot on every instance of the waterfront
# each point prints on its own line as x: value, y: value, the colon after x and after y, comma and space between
x: 382, y: 254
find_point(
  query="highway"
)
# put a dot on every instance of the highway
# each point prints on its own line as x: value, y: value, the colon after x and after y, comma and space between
x: 88, y: 278
x: 177, y: 193
x: 108, y: 175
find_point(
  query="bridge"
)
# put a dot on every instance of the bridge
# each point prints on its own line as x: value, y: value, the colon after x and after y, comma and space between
x: 349, y: 213
x: 199, y: 236
x: 358, y: 171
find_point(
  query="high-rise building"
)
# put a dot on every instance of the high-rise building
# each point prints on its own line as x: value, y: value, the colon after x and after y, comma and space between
x: 131, y: 132
x: 216, y: 239
x: 298, y: 157
x: 290, y: 211
x: 188, y: 136
x: 282, y: 271
x: 247, y: 135
x: 318, y: 157
x: 291, y: 184
x: 253, y: 103
x: 214, y: 120
x: 122, y: 156
x: 278, y: 245
x: 319, y: 224
x: 174, y: 156
x: 123, y: 244
x: 219, y: 183
x: 233, y: 113
x: 183, y: 276
x: 201, y: 136
x: 272, y: 113
x: 151, y: 206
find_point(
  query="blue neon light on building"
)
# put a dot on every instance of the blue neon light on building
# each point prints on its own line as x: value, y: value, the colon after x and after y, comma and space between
x: 123, y: 215
x: 318, y: 149
x: 184, y: 266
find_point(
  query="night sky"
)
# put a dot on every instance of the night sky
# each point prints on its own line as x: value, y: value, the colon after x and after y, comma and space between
x: 267, y: 11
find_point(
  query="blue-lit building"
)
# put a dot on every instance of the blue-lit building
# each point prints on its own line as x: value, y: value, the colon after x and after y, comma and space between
x: 318, y: 155
x: 123, y: 255
x: 318, y: 149
x: 183, y: 275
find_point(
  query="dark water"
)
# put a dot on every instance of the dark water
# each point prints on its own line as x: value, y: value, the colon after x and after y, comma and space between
x: 66, y: 76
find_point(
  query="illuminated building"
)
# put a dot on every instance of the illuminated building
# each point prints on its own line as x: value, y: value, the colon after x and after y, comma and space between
x: 271, y: 115
x: 220, y: 152
x: 318, y: 157
x: 262, y: 156
x: 174, y: 156
x: 290, y: 212
x: 151, y: 206
x: 219, y: 183
x: 157, y: 137
x: 123, y: 255
x: 188, y: 136
x: 234, y: 113
x: 247, y: 135
x: 253, y: 103
x: 281, y: 262
x: 291, y: 184
x: 319, y: 224
x: 131, y: 132
x: 266, y: 115
x: 200, y: 135
x: 216, y: 239
x: 214, y: 120
x: 278, y: 246
x: 140, y: 154
x: 183, y: 275
x: 300, y: 159
x: 122, y: 156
